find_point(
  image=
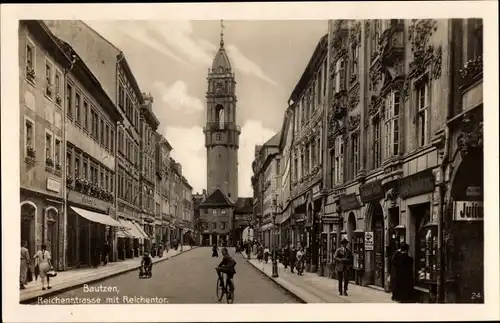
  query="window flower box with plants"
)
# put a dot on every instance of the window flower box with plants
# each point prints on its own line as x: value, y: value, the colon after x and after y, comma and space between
x: 49, y: 164
x: 30, y: 74
x: 57, y: 169
x: 58, y: 99
x: 30, y: 155
x: 69, y: 181
x: 48, y: 90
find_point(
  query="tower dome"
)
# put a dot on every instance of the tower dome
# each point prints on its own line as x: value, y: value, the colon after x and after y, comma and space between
x: 221, y: 62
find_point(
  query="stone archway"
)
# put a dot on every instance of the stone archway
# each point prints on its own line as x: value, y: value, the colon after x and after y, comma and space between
x: 28, y: 224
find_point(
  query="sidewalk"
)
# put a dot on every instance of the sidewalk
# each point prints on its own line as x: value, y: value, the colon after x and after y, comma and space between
x: 73, y: 278
x: 312, y: 288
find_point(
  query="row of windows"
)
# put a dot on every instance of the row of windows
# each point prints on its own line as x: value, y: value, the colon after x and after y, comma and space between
x: 87, y: 116
x: 127, y: 148
x: 312, y: 97
x: 81, y: 165
x: 310, y: 157
x: 128, y: 106
x: 53, y: 144
x: 206, y: 226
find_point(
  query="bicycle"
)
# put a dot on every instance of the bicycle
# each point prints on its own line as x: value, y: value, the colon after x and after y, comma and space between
x: 224, y: 290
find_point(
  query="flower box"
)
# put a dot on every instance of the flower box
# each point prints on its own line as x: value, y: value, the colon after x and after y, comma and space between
x: 58, y: 99
x: 49, y: 162
x: 31, y: 152
x: 30, y: 73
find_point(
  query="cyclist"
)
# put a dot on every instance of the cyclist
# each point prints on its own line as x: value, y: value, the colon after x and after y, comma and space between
x: 226, y: 266
x: 146, y: 264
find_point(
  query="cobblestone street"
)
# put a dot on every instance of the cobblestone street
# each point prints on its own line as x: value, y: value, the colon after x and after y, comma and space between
x: 186, y: 279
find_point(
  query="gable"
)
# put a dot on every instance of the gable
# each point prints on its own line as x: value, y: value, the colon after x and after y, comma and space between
x: 216, y: 199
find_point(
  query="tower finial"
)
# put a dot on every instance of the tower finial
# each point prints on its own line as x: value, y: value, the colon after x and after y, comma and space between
x: 221, y: 33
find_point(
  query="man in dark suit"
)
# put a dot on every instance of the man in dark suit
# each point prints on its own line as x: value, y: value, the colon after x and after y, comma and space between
x: 343, y: 262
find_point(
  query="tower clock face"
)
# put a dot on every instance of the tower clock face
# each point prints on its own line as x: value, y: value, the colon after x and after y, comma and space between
x: 219, y: 87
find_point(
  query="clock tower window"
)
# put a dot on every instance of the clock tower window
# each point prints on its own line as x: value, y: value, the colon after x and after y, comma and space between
x: 219, y: 116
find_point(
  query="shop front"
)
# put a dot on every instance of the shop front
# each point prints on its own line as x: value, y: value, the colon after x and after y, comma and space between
x: 416, y: 192
x: 348, y: 212
x: 464, y: 220
x: 42, y: 222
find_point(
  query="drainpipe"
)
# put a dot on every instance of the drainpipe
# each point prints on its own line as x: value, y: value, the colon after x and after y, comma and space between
x: 442, y: 169
x: 63, y: 158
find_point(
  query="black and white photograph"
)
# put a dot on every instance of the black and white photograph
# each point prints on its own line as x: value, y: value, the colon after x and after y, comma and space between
x: 205, y: 160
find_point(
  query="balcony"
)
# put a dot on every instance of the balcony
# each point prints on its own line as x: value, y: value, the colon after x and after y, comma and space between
x: 391, y: 43
x: 471, y: 72
x: 338, y: 107
x: 215, y: 126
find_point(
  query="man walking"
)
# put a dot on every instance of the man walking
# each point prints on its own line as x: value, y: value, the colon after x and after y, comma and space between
x: 343, y: 262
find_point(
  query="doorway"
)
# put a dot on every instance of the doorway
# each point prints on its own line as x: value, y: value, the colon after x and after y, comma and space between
x: 378, y: 245
x: 28, y: 212
x: 52, y: 239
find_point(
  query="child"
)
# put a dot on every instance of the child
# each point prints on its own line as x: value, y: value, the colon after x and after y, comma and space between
x: 146, y: 265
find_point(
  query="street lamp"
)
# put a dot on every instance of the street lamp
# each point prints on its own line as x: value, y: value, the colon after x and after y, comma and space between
x: 275, y: 261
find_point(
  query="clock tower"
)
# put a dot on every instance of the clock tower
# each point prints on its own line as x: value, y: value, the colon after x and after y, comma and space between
x: 221, y: 132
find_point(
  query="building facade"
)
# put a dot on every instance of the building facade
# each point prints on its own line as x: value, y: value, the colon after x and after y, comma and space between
x: 216, y: 219
x: 109, y: 65
x: 221, y: 131
x: 149, y: 124
x: 65, y: 113
x: 308, y: 102
x: 162, y: 195
x: 187, y: 212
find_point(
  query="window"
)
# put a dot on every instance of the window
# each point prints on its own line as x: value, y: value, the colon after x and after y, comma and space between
x: 30, y: 60
x: 101, y: 138
x: 106, y: 181
x: 339, y: 70
x: 106, y: 136
x: 68, y: 163
x: 355, y: 153
x: 392, y: 124
x: 376, y: 142
x: 214, y: 225
x: 57, y: 154
x: 77, y: 166
x: 85, y: 115
x: 69, y: 92
x: 325, y: 75
x: 85, y: 169
x: 77, y: 107
x: 48, y: 78
x: 339, y: 160
x: 355, y: 58
x: 422, y: 113
x: 112, y: 141
x: 474, y: 43
x: 313, y: 153
x: 296, y: 168
x: 29, y: 132
x: 48, y: 146
x: 112, y: 184
x: 332, y: 168
x: 121, y: 97
x: 376, y: 37
x: 57, y: 86
x: 302, y: 165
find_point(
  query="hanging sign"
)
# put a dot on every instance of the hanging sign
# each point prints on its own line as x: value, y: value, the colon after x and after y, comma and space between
x: 368, y: 241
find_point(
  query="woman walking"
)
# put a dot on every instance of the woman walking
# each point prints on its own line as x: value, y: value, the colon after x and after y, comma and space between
x: 215, y: 250
x: 42, y: 260
x: 25, y: 262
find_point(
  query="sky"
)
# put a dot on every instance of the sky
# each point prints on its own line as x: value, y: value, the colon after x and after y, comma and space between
x: 170, y: 60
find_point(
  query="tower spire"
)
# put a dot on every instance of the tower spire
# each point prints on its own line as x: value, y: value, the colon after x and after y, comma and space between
x: 221, y: 33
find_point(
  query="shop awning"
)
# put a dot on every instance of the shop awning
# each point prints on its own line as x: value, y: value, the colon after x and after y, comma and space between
x: 141, y: 231
x: 124, y: 231
x: 134, y: 232
x: 97, y: 217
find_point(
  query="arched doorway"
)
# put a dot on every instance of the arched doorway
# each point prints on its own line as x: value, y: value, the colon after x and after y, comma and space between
x: 52, y: 235
x: 377, y: 226
x: 219, y: 116
x: 28, y: 216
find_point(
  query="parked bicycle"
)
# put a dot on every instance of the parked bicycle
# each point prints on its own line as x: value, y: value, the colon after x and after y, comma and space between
x: 225, y: 287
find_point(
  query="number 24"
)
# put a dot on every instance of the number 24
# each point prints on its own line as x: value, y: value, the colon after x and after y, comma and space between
x: 476, y: 296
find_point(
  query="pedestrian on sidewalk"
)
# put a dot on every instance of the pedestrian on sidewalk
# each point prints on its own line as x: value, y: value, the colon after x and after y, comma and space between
x: 292, y: 258
x: 343, y: 262
x: 105, y: 253
x: 286, y: 258
x: 402, y: 275
x: 25, y: 263
x: 215, y: 250
x: 299, y: 260
x: 42, y: 260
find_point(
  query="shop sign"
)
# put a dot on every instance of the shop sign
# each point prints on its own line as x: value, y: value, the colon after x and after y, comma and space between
x: 349, y: 202
x: 53, y: 185
x: 329, y: 219
x: 416, y: 184
x: 468, y: 211
x: 368, y: 241
x: 81, y: 199
x: 371, y: 191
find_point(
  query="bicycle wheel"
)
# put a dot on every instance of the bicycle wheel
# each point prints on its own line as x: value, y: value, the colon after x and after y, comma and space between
x: 220, y: 291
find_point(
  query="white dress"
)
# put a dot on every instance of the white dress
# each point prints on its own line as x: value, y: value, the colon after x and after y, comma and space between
x: 43, y: 262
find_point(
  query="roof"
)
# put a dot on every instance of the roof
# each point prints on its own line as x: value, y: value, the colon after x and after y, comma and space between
x: 244, y: 205
x: 221, y: 59
x: 217, y: 198
x: 316, y: 58
x: 274, y: 141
